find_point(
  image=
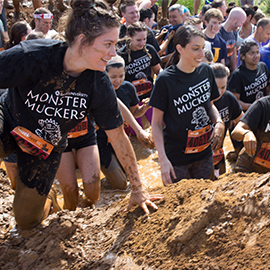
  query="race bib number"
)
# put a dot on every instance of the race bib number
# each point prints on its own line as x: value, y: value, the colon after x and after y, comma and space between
x: 80, y: 130
x: 198, y: 140
x: 142, y: 86
x: 31, y: 143
x: 263, y: 156
x: 218, y: 156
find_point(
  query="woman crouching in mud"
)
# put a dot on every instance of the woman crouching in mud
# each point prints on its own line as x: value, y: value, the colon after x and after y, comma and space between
x: 52, y: 88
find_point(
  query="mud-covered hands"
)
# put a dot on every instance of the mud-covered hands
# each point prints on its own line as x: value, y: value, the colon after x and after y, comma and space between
x: 143, y: 199
x: 217, y: 135
x: 250, y: 142
x: 145, y: 103
x: 145, y: 139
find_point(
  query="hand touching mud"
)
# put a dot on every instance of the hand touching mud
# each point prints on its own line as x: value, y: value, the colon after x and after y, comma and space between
x: 145, y: 139
x: 143, y: 199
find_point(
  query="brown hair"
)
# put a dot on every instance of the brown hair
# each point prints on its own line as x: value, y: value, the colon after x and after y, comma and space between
x: 126, y: 3
x: 17, y: 31
x: 131, y: 31
x: 213, y: 13
x: 90, y: 18
x: 183, y: 36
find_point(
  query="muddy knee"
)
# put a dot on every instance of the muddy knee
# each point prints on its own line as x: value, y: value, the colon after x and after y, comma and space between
x: 115, y: 174
x: 28, y: 209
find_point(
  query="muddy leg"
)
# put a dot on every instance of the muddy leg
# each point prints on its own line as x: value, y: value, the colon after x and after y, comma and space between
x: 115, y: 174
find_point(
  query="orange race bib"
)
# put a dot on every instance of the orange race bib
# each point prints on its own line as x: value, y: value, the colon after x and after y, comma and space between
x: 31, y: 143
x: 218, y: 156
x: 198, y: 140
x: 80, y: 130
x: 142, y: 86
x: 263, y: 156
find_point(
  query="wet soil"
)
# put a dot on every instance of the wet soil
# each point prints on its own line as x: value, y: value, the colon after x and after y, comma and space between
x: 200, y: 224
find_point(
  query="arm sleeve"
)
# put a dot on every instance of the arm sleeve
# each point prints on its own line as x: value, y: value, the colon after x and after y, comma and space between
x: 253, y: 115
x: 236, y: 108
x: 159, y: 97
x: 155, y: 57
x: 18, y: 68
x: 133, y: 96
x: 107, y: 114
x: 234, y: 84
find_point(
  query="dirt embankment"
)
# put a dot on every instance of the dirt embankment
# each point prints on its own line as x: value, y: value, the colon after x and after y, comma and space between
x: 199, y: 225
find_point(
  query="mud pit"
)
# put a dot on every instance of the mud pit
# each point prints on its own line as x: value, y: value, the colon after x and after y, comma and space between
x: 199, y: 225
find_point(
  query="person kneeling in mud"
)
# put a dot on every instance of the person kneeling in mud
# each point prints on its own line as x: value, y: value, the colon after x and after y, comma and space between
x: 229, y: 110
x: 82, y: 148
x: 126, y: 92
x: 66, y: 82
x: 254, y: 130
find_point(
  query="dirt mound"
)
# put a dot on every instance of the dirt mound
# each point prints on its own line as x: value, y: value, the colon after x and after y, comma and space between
x: 199, y: 225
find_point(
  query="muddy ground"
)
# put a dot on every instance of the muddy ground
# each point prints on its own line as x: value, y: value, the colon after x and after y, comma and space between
x: 199, y: 225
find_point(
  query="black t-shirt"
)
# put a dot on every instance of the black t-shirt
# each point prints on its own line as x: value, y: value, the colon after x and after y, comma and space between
x: 47, y: 101
x: 228, y: 107
x: 250, y: 84
x: 149, y: 40
x: 140, y: 65
x: 185, y: 100
x: 127, y: 94
x: 257, y: 117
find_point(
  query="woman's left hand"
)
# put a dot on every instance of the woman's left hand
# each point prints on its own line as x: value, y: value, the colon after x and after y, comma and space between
x: 217, y: 136
x: 143, y: 199
x: 145, y: 139
x: 145, y: 102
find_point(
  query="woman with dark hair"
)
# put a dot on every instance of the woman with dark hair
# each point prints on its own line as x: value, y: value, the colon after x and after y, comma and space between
x: 229, y: 110
x: 52, y: 88
x: 182, y: 99
x: 141, y: 61
x: 18, y: 32
x: 250, y: 81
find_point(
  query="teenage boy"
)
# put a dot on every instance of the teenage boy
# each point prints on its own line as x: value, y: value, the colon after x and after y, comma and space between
x: 213, y: 19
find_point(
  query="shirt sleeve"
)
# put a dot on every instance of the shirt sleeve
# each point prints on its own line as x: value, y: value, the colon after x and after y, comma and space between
x: 18, y: 68
x: 214, y: 90
x: 252, y: 115
x: 134, y: 99
x: 159, y: 97
x: 107, y: 114
x: 236, y: 109
x: 155, y: 57
x: 234, y: 84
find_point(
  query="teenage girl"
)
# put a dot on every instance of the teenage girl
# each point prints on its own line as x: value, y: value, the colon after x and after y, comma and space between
x: 182, y: 99
x: 141, y: 61
x: 126, y: 92
x: 229, y: 110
